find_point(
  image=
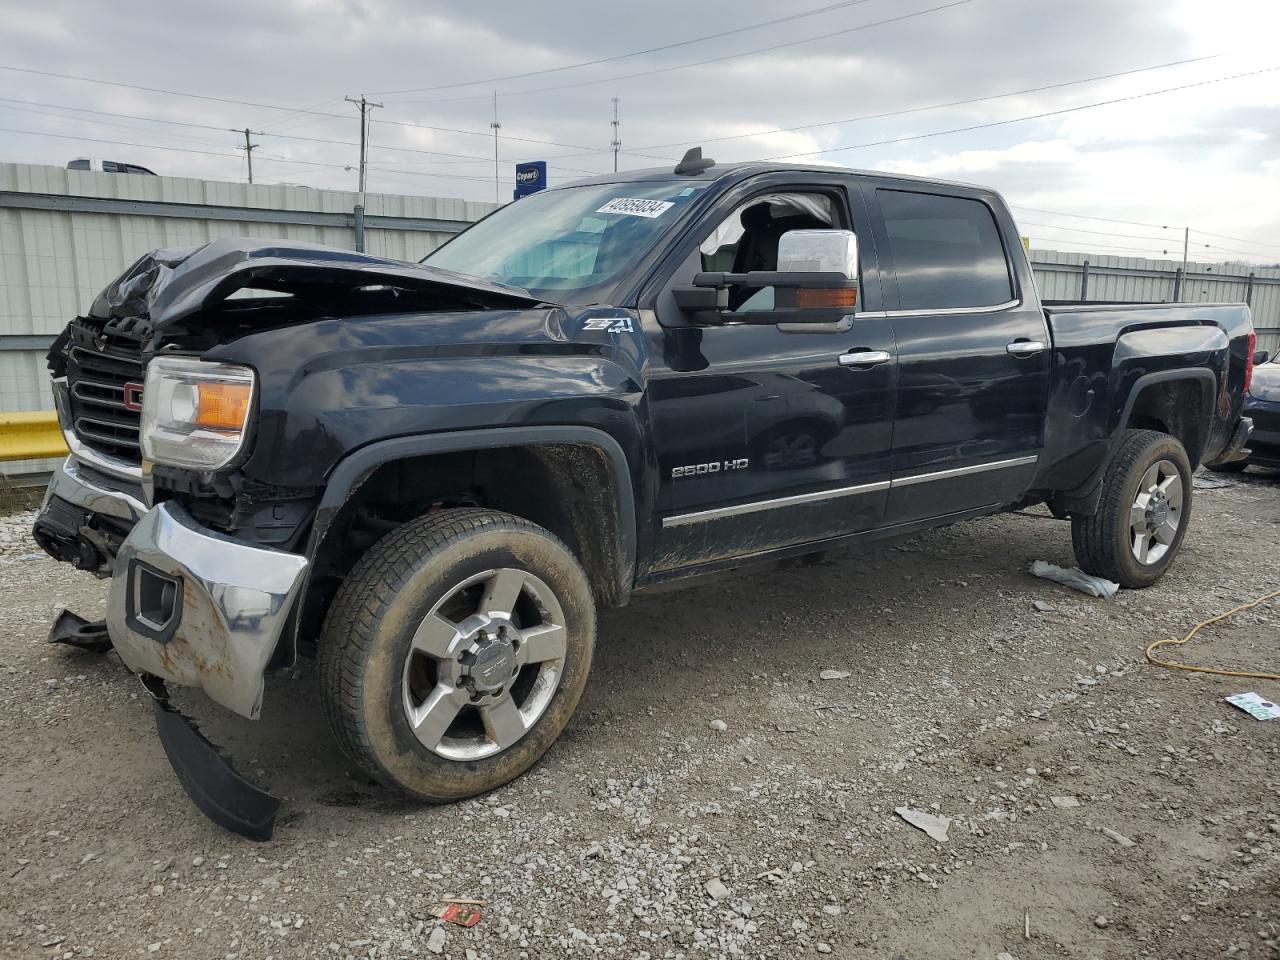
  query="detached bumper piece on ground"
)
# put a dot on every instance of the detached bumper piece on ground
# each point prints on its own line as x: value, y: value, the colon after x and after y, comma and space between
x: 186, y: 606
x: 213, y: 784
x: 224, y: 796
x: 76, y: 631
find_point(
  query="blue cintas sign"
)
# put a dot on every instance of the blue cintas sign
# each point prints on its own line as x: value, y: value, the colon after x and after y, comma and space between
x: 530, y: 178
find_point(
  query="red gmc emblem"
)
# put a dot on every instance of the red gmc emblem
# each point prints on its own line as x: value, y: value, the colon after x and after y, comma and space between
x: 133, y: 396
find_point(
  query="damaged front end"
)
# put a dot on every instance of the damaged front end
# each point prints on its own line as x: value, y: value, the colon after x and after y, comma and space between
x: 207, y: 561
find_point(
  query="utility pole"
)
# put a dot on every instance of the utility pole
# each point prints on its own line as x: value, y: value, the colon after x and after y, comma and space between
x: 365, y: 106
x: 1186, y: 242
x: 497, y: 193
x: 615, y: 142
x: 248, y: 147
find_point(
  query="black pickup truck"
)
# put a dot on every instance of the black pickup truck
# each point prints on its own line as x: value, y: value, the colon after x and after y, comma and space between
x: 431, y: 475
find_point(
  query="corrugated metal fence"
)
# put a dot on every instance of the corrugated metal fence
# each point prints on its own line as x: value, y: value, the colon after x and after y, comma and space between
x: 1083, y: 276
x: 65, y: 234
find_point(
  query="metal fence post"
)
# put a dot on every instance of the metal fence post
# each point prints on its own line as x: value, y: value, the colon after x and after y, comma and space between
x: 1248, y: 290
x: 1084, y: 281
x: 359, y: 225
x: 1177, y: 285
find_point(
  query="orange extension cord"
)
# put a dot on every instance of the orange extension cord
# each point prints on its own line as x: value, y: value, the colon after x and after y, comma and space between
x: 1151, y: 658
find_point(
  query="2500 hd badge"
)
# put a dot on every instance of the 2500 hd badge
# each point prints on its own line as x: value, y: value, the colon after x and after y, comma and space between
x: 701, y: 469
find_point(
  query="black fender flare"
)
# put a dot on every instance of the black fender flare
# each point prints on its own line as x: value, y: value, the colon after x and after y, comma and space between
x: 352, y: 470
x: 1084, y: 499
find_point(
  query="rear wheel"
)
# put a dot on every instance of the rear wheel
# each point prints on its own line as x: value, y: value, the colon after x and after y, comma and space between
x: 1143, y: 514
x: 456, y: 651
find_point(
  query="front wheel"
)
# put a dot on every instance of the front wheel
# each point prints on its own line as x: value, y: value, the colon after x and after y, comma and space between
x: 456, y: 651
x: 1143, y: 514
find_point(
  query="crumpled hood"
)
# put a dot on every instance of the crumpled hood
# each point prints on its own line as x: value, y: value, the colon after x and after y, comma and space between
x: 1266, y: 382
x: 168, y: 285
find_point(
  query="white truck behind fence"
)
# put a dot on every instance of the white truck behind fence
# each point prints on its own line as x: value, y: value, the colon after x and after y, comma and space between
x: 65, y: 234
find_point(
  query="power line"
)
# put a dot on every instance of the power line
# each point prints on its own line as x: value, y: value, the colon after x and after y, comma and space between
x: 1099, y: 233
x: 721, y: 59
x: 1102, y: 246
x: 295, y: 119
x: 1081, y: 216
x: 281, y: 136
x: 1131, y: 236
x: 1139, y: 223
x: 234, y: 156
x: 634, y: 53
x: 1223, y: 236
x: 6, y: 104
x: 931, y: 106
x: 1172, y: 256
x: 1033, y: 116
x: 301, y: 110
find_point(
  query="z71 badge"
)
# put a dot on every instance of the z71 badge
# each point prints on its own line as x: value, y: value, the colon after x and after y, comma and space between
x: 610, y: 324
x: 702, y: 469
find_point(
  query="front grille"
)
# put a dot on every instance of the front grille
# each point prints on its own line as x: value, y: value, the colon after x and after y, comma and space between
x: 104, y: 378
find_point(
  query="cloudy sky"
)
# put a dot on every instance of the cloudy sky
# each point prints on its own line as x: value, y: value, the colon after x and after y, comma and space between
x: 876, y: 84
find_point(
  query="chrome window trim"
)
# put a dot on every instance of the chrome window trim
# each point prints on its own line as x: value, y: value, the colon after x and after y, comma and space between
x: 941, y: 311
x: 755, y: 506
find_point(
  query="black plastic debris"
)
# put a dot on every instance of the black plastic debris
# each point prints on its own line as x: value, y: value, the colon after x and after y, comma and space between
x: 213, y: 785
x: 76, y: 631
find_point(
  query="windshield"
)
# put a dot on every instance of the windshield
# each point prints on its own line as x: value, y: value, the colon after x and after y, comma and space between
x: 572, y: 245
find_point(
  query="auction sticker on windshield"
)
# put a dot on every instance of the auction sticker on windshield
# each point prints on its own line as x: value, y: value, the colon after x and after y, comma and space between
x: 650, y: 209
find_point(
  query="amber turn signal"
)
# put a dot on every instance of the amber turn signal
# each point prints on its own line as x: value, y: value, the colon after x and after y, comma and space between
x: 223, y: 406
x: 827, y: 298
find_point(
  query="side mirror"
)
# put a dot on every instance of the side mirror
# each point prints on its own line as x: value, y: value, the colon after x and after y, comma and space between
x: 819, y: 251
x: 816, y: 283
x: 1261, y: 357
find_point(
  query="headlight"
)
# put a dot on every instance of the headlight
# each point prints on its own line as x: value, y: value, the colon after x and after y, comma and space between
x: 195, y: 414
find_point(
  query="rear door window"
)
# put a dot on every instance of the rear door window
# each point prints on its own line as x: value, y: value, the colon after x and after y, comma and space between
x: 946, y: 251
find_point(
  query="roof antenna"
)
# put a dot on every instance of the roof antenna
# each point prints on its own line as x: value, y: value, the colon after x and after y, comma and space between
x: 692, y: 163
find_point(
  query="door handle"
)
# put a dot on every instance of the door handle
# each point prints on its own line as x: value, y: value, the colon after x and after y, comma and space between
x: 1025, y: 348
x: 864, y: 358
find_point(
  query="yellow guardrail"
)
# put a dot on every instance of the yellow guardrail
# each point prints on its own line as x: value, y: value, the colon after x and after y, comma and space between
x: 31, y: 436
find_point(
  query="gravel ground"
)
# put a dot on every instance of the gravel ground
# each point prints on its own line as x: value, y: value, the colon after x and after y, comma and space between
x: 1108, y: 808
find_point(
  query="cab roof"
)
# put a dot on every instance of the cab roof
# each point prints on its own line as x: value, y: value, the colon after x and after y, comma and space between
x: 734, y: 172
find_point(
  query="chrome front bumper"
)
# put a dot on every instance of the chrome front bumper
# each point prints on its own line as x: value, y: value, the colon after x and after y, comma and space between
x: 197, y: 608
x: 188, y: 604
x: 122, y: 501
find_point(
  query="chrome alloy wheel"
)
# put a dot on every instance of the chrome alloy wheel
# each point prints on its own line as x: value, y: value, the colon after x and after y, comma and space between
x: 1156, y: 513
x: 484, y: 664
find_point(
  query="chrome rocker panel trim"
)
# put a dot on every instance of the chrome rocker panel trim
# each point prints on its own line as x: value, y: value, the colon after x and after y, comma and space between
x: 755, y: 506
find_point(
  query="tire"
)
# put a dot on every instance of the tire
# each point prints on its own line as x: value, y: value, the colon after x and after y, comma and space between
x: 1108, y: 543
x: 1235, y: 466
x: 400, y: 652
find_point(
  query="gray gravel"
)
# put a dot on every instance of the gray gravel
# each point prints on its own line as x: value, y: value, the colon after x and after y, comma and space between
x: 16, y: 544
x: 648, y: 831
